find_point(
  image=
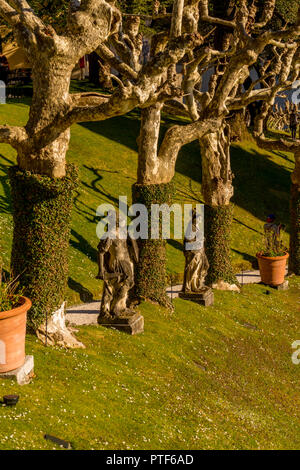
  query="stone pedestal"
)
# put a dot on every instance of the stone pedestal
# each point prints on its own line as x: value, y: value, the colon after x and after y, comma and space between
x: 283, y: 286
x: 131, y: 324
x: 204, y: 297
x: 23, y: 374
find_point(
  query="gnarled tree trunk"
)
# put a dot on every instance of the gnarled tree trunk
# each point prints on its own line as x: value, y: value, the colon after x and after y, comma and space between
x: 51, y: 84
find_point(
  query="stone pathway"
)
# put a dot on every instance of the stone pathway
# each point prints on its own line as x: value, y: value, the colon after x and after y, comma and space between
x: 86, y: 314
x: 249, y: 277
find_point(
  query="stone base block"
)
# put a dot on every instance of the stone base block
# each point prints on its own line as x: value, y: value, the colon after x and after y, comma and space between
x: 131, y: 324
x: 283, y: 286
x: 23, y: 374
x: 204, y: 297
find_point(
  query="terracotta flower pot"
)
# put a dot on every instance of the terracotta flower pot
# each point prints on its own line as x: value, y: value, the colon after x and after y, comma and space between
x: 12, y: 336
x: 272, y: 269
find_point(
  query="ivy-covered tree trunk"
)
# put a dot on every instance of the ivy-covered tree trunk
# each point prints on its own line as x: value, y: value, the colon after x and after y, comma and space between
x: 42, y: 209
x: 217, y: 191
x: 294, y: 260
x: 151, y: 275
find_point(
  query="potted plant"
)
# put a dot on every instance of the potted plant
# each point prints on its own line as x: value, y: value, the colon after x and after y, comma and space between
x: 272, y: 260
x: 13, y: 315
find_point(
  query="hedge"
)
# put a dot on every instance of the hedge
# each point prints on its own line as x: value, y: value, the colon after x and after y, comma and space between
x: 42, y: 209
x: 294, y: 261
x: 218, y: 220
x: 151, y: 276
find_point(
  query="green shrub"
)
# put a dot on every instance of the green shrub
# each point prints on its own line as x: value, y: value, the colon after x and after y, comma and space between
x: 42, y: 209
x: 294, y: 261
x: 151, y: 276
x: 218, y: 220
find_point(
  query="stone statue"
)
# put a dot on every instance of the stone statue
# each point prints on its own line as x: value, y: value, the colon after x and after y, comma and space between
x: 196, y: 268
x: 116, y: 260
x: 195, y: 272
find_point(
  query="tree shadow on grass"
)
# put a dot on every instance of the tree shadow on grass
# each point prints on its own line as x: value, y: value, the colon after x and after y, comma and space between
x: 97, y: 187
x: 283, y: 155
x: 82, y: 245
x: 84, y: 294
x: 246, y: 226
x: 99, y: 193
x: 175, y: 244
x: 123, y: 129
x: 251, y: 259
x: 259, y: 182
x: 258, y: 179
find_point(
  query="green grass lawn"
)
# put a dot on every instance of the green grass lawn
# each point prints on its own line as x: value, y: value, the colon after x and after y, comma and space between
x: 202, y: 378
x: 106, y: 155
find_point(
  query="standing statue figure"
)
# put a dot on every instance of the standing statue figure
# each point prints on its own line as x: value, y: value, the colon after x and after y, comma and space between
x: 195, y: 272
x: 116, y: 261
x: 196, y: 269
x: 196, y: 263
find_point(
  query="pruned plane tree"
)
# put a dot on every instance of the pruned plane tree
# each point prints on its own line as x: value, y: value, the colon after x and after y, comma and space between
x: 235, y: 38
x: 42, y: 183
x: 223, y: 42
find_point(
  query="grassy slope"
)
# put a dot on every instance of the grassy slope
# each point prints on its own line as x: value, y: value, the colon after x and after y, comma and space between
x: 198, y: 379
x: 106, y: 155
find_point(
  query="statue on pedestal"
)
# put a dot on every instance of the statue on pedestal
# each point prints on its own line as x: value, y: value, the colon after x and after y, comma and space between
x: 196, y: 269
x: 116, y: 261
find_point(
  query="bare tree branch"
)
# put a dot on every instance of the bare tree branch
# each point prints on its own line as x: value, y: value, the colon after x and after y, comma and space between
x: 268, y: 12
x: 92, y: 23
x: 204, y: 16
x: 175, y: 138
x: 12, y: 135
x: 8, y: 13
x: 176, y: 22
x: 27, y: 15
x: 123, y: 68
